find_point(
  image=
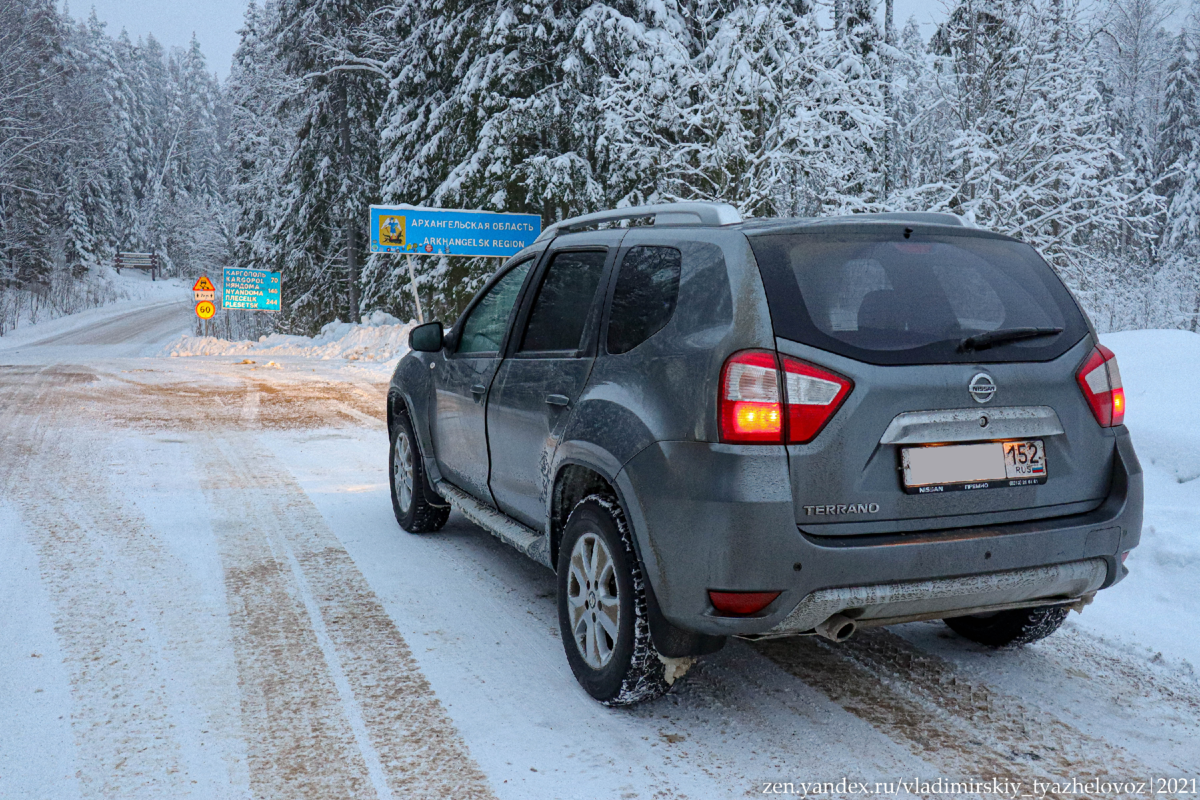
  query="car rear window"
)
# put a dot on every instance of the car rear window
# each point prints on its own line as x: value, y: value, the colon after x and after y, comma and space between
x: 881, y: 298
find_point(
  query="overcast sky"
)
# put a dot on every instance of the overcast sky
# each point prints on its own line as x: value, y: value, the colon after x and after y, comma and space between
x: 215, y: 23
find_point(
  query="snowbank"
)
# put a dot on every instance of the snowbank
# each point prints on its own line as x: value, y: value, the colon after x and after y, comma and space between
x: 1156, y: 606
x: 379, y: 337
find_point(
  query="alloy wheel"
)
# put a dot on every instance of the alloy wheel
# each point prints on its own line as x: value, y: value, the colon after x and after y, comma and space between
x: 402, y: 471
x: 593, y: 600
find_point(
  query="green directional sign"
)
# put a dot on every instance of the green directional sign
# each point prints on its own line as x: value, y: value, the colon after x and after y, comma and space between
x: 253, y: 289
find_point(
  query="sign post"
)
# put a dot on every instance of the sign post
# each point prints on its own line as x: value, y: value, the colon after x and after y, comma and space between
x: 412, y: 278
x: 415, y: 230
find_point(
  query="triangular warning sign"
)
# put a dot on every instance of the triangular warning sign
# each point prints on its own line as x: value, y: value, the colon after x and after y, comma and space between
x: 204, y: 285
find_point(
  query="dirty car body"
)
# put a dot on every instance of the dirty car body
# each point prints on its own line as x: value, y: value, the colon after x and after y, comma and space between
x: 866, y: 491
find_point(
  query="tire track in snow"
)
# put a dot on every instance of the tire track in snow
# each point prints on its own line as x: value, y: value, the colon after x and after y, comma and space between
x: 126, y: 613
x: 1096, y: 686
x: 293, y: 588
x: 967, y: 729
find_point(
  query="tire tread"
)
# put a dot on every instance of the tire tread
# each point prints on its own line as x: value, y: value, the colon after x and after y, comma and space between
x: 1014, y: 628
x: 423, y: 517
x: 645, y: 677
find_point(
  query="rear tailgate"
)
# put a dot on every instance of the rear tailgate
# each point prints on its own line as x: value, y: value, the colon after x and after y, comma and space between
x: 889, y: 306
x: 850, y: 479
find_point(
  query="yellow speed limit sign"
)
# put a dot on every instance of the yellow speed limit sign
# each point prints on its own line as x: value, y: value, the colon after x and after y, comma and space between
x: 205, y: 309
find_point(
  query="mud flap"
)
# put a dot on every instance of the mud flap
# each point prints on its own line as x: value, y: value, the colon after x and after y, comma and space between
x: 672, y: 641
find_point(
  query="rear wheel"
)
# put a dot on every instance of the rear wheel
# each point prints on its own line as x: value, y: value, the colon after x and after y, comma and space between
x: 410, y: 489
x: 1011, y: 628
x: 602, y: 607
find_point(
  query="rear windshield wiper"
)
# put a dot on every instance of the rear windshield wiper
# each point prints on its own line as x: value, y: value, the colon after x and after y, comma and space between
x: 982, y: 341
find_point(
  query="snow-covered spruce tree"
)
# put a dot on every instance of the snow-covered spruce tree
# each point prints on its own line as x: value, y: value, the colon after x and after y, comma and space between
x: 332, y: 174
x: 1179, y: 151
x: 100, y: 140
x: 184, y: 216
x: 95, y: 175
x: 920, y: 117
x: 768, y: 113
x: 262, y: 127
x: 1179, y: 125
x: 484, y: 111
x: 148, y: 109
x: 1027, y: 146
x: 33, y: 129
x: 1137, y: 50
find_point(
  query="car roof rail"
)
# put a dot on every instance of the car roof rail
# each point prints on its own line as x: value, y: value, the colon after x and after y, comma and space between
x: 692, y: 213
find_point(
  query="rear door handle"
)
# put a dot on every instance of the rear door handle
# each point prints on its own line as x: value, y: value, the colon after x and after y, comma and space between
x: 478, y: 389
x: 558, y: 400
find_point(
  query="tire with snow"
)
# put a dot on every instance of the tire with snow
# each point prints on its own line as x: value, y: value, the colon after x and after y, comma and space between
x: 602, y: 607
x: 1010, y: 628
x: 410, y: 489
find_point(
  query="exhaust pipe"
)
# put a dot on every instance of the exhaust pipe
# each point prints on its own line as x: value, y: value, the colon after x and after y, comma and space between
x: 837, y: 628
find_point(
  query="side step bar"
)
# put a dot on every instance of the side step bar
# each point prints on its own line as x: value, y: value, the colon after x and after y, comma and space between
x: 509, y: 531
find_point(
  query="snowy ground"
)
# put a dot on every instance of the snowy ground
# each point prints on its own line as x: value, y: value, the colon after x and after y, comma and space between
x: 134, y: 290
x: 205, y: 595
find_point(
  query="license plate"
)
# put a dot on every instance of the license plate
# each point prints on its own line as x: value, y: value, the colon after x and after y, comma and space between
x: 966, y: 467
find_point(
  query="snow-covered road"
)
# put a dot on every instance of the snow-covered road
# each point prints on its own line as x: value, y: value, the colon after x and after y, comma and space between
x: 203, y: 593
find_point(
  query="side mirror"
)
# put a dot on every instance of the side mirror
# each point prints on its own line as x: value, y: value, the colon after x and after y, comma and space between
x: 426, y: 338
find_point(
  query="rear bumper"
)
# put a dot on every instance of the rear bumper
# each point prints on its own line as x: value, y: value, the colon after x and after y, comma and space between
x: 712, y: 516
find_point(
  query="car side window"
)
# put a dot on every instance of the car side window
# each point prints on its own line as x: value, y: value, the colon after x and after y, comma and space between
x: 484, y: 328
x: 645, y: 296
x: 563, y: 302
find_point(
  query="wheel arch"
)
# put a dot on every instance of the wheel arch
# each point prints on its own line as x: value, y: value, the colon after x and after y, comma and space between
x: 574, y: 480
x: 410, y: 394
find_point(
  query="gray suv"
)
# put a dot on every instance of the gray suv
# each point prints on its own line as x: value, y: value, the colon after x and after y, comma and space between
x: 710, y: 427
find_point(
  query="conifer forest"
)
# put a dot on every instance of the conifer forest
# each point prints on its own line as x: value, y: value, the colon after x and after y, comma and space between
x: 1074, y: 127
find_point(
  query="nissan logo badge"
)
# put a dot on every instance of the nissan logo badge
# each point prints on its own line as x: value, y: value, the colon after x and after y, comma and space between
x: 982, y: 387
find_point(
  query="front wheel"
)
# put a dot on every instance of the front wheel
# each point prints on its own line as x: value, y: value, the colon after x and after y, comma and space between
x: 1011, y: 628
x: 410, y: 500
x: 602, y: 607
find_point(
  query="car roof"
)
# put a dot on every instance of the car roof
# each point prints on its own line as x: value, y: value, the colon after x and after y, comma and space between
x: 926, y: 223
x: 725, y: 217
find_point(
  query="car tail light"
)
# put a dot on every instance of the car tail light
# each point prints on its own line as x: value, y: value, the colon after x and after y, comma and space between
x: 753, y: 410
x: 740, y: 604
x: 813, y: 396
x: 750, y: 407
x: 1100, y: 381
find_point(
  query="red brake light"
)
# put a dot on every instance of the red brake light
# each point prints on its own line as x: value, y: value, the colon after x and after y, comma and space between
x: 813, y: 396
x: 754, y: 410
x: 750, y: 407
x: 740, y: 604
x: 1100, y: 380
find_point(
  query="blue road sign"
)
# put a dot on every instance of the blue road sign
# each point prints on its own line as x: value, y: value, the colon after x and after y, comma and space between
x: 255, y: 289
x: 442, y: 231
